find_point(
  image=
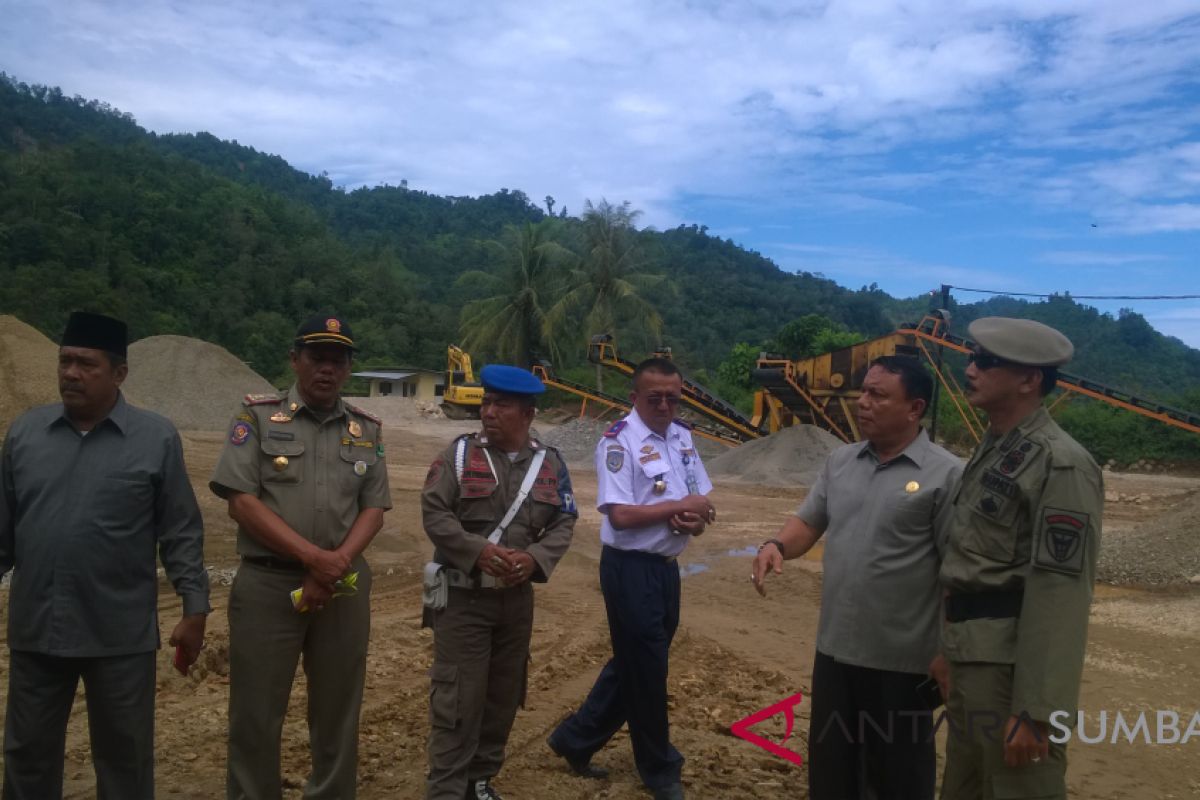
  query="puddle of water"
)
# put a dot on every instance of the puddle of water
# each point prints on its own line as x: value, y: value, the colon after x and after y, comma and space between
x: 749, y: 550
x: 692, y: 569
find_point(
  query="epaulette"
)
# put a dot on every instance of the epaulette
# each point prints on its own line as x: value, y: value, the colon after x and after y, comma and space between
x: 615, y: 428
x: 362, y: 413
x: 261, y: 399
x: 682, y: 424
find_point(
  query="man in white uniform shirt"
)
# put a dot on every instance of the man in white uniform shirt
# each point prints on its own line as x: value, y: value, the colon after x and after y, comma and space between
x: 652, y: 492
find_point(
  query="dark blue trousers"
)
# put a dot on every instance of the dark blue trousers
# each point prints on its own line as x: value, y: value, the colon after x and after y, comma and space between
x: 641, y: 595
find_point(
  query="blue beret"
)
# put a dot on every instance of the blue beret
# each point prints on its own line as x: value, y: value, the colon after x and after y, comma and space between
x: 510, y: 380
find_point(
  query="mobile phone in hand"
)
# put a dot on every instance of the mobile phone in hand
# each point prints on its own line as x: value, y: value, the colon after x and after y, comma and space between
x: 180, y: 660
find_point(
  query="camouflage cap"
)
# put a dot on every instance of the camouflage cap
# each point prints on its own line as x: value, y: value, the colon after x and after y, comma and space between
x: 1021, y: 341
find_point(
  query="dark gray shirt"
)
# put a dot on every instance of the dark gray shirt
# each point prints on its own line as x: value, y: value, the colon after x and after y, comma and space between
x: 82, y: 519
x: 885, y: 528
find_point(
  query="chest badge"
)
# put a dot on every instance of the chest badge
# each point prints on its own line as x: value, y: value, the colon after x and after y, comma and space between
x: 280, y: 463
x: 280, y: 416
x: 660, y: 485
x: 912, y: 487
x: 360, y: 468
x: 354, y: 428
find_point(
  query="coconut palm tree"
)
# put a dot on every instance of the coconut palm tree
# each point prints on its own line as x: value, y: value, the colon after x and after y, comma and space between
x: 510, y: 322
x: 607, y: 286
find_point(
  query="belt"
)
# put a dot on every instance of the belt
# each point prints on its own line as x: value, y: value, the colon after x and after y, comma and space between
x: 984, y: 605
x: 641, y: 555
x: 456, y: 578
x: 272, y: 562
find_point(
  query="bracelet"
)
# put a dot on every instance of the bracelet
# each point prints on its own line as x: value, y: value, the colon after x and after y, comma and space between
x: 778, y: 544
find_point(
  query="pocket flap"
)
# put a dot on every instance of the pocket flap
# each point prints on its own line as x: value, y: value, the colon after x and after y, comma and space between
x: 279, y: 447
x: 443, y: 673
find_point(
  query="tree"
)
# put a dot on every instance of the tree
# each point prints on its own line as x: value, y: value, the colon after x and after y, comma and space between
x: 812, y: 335
x: 608, y: 285
x: 511, y: 321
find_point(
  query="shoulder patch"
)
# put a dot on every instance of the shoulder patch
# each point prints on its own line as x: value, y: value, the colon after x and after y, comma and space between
x: 260, y: 399
x: 614, y: 459
x: 361, y: 413
x: 239, y: 434
x: 435, y: 472
x: 686, y: 426
x: 615, y: 429
x: 1061, y: 542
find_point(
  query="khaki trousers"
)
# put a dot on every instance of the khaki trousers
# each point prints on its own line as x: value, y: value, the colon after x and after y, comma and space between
x: 980, y: 703
x: 266, y: 639
x: 480, y: 664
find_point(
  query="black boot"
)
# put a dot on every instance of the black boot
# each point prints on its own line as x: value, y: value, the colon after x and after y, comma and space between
x: 581, y: 766
x: 481, y: 789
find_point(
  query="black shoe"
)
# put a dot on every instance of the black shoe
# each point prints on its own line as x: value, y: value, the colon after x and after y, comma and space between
x: 672, y: 792
x: 581, y: 766
x: 482, y: 790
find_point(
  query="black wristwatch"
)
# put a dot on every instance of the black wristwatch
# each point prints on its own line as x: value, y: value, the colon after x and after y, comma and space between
x: 777, y: 544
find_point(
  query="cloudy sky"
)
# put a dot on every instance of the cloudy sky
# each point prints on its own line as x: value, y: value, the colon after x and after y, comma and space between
x: 1025, y: 146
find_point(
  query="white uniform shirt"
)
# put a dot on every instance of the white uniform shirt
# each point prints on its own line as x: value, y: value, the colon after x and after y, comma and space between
x: 629, y: 459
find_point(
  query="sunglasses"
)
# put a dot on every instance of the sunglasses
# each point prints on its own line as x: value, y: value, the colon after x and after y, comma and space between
x: 986, y: 361
x: 656, y: 400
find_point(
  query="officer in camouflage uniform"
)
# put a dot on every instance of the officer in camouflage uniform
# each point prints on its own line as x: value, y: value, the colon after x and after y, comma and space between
x: 1018, y: 572
x: 304, y: 476
x: 481, y: 637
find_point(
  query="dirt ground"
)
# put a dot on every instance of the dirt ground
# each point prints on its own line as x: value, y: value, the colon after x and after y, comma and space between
x: 735, y: 653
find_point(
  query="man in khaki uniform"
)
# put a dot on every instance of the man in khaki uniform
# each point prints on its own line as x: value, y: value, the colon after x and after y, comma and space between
x: 1018, y: 572
x: 481, y: 637
x: 305, y: 479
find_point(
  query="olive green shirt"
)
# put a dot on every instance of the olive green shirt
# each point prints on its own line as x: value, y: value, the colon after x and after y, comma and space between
x: 1028, y: 518
x: 316, y: 471
x: 885, y: 526
x: 459, y: 515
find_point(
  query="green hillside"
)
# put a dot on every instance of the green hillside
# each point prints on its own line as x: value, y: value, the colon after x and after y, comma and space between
x: 192, y: 235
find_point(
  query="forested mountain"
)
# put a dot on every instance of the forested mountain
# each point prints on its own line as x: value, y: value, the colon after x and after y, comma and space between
x: 192, y: 235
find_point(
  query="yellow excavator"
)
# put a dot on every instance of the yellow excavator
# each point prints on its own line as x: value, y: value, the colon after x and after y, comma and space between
x: 463, y: 394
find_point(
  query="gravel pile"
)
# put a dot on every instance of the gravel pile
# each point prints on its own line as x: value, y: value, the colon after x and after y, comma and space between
x: 398, y: 411
x: 576, y: 440
x: 1164, y: 550
x: 792, y: 456
x: 28, y: 369
x: 195, y: 384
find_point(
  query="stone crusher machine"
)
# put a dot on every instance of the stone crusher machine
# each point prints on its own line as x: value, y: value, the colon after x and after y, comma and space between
x: 822, y: 390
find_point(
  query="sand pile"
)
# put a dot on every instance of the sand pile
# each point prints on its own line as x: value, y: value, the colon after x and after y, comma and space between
x: 1164, y: 550
x: 28, y: 369
x: 792, y: 456
x: 195, y: 384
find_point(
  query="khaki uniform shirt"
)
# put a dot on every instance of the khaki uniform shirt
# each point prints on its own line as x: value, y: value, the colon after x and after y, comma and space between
x: 459, y: 515
x: 1028, y: 518
x: 317, y: 473
x: 885, y: 527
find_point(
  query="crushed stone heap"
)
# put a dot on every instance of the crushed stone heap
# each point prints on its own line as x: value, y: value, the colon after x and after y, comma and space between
x: 195, y: 384
x: 792, y: 456
x: 1164, y: 550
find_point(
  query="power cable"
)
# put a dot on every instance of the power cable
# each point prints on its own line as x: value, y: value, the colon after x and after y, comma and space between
x: 1085, y: 296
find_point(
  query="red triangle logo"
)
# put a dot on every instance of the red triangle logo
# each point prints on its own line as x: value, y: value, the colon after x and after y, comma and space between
x: 741, y: 728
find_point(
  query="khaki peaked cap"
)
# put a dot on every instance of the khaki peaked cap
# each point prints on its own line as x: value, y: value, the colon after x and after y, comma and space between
x: 1021, y: 341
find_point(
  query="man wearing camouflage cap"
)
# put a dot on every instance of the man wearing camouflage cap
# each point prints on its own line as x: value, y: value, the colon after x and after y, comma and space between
x: 304, y: 475
x: 1018, y: 572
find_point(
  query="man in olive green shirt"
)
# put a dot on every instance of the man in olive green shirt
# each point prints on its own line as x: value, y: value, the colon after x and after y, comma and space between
x: 882, y: 506
x: 304, y: 476
x: 1018, y: 572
